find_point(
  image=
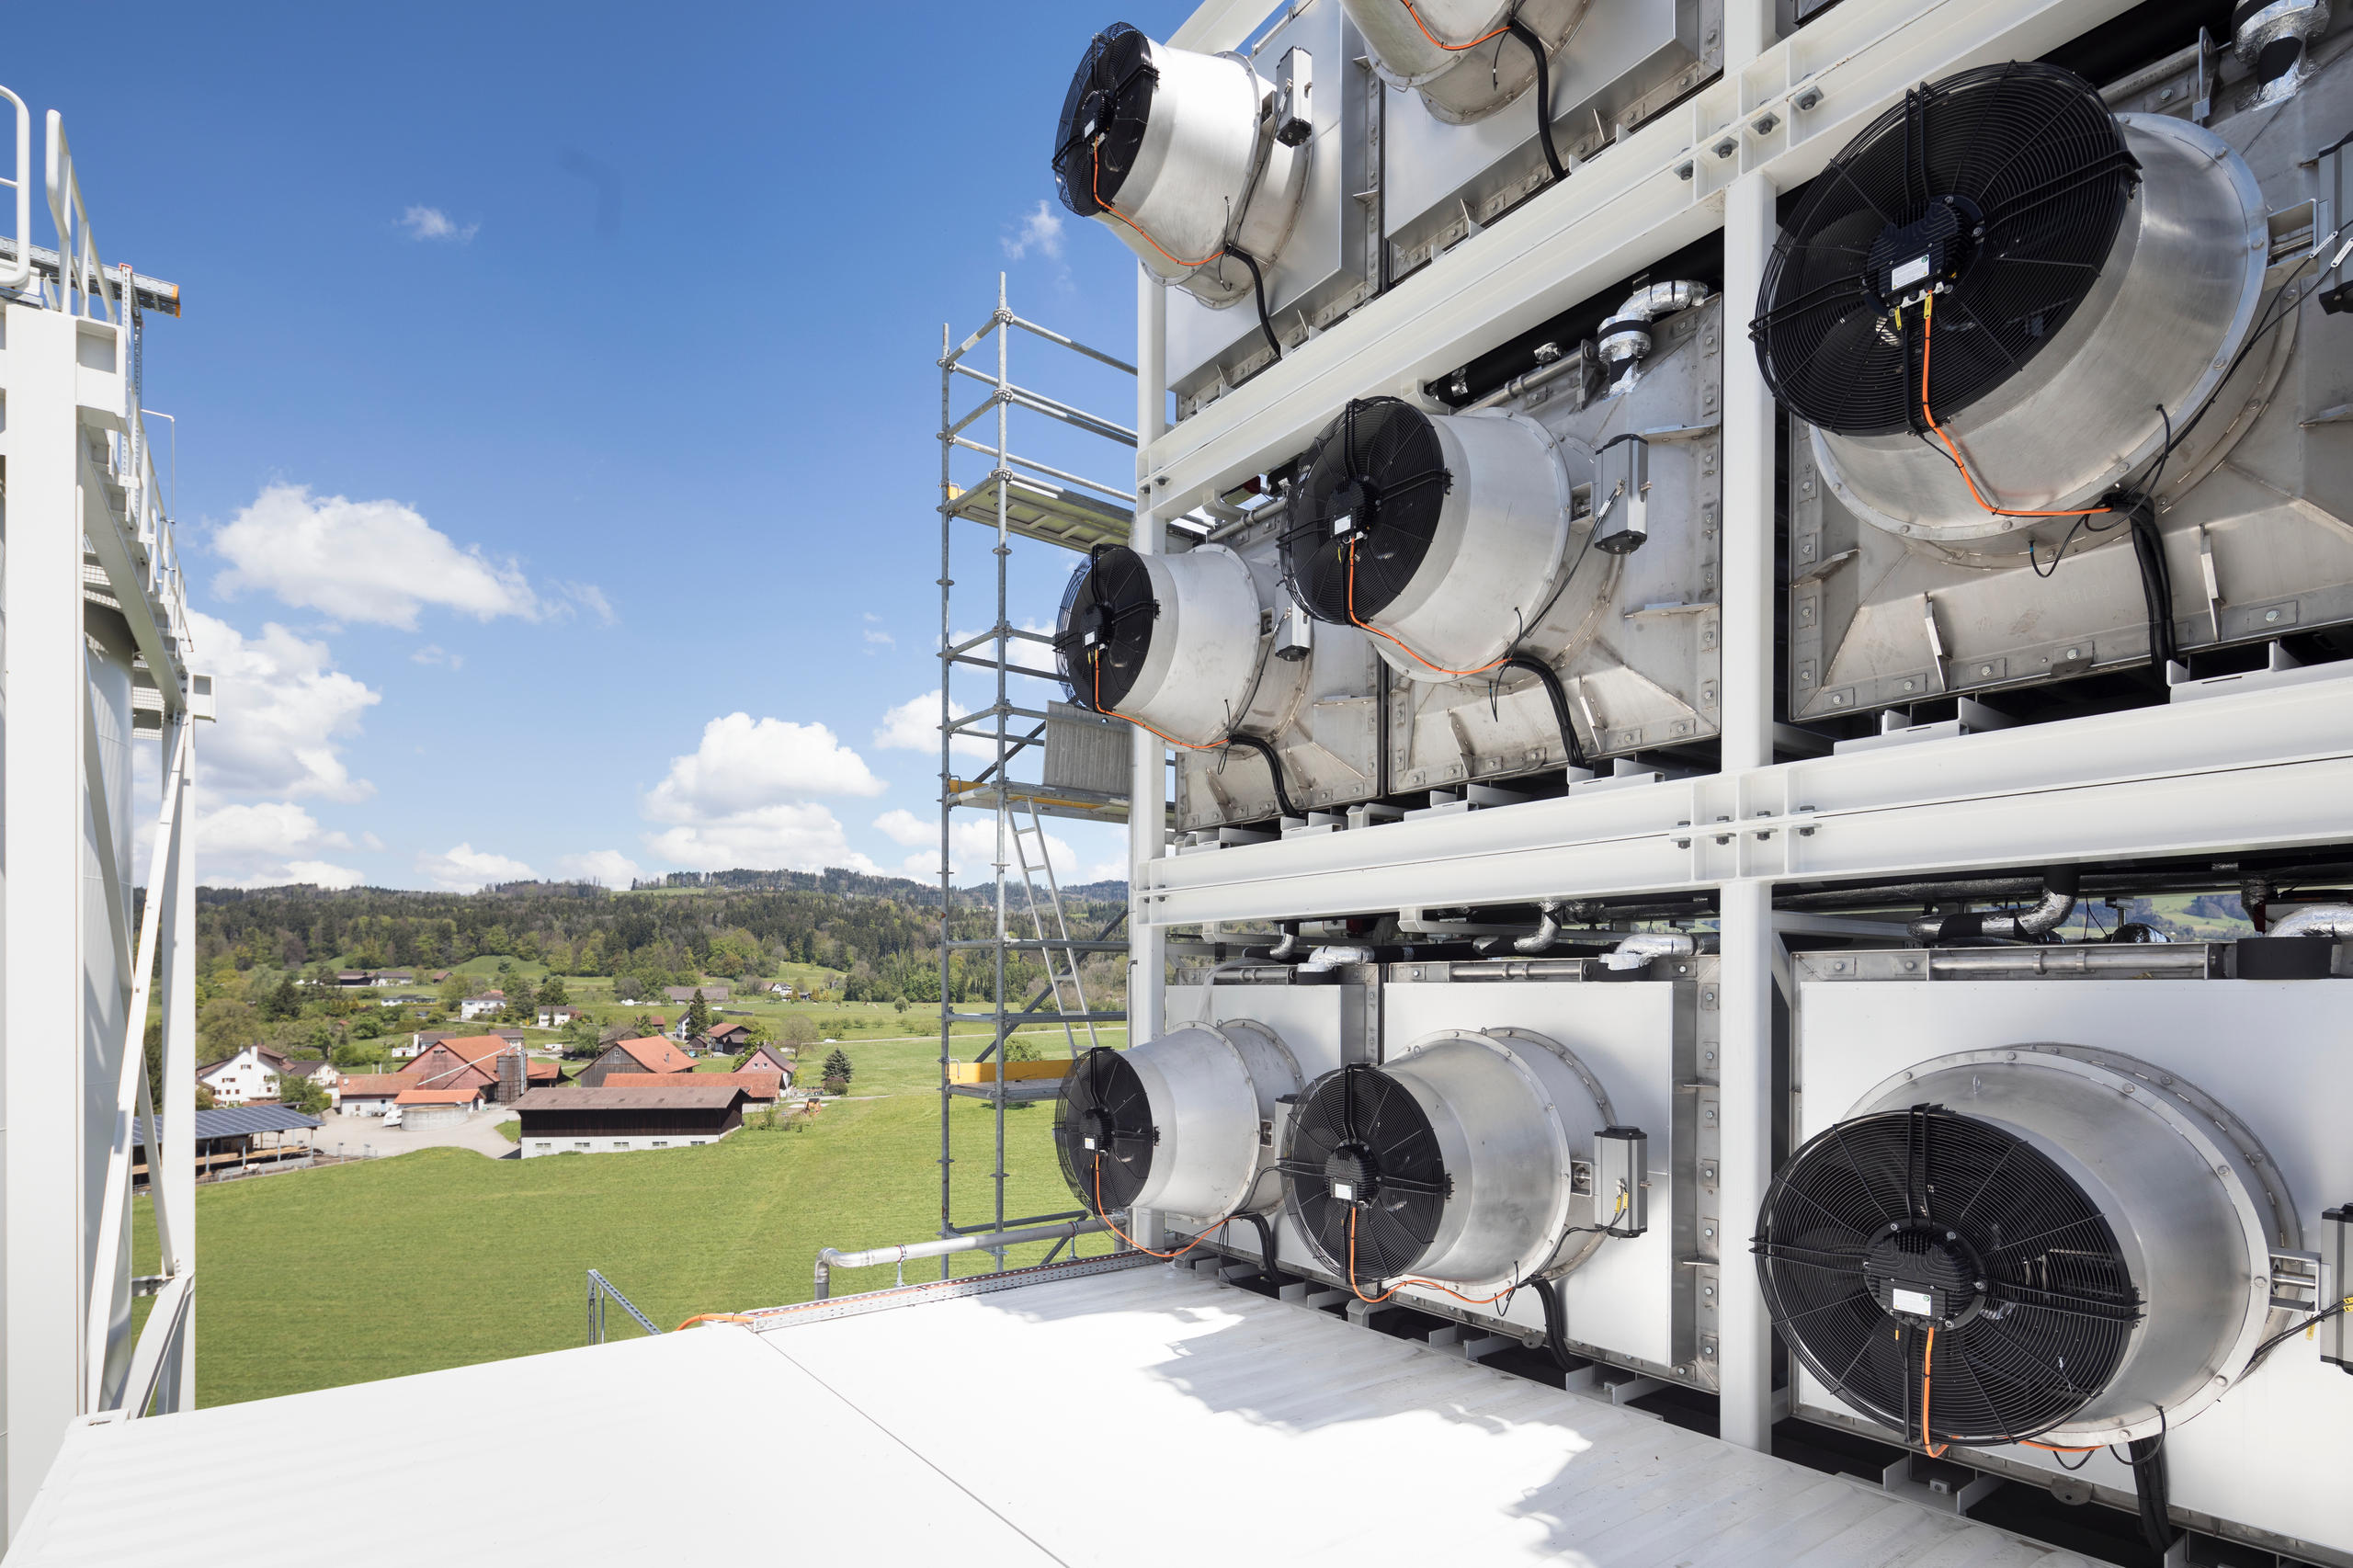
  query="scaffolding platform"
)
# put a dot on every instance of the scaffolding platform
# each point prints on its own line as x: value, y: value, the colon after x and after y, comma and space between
x: 1053, y: 514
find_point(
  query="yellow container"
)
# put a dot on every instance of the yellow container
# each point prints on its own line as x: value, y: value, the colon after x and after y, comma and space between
x: 986, y: 1072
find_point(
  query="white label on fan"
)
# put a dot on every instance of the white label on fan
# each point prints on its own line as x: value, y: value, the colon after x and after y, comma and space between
x: 1090, y: 1142
x: 1909, y: 272
x: 1344, y: 522
x: 1917, y: 1302
x: 1343, y: 1192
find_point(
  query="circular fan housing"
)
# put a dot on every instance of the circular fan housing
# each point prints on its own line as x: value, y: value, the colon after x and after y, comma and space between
x: 1172, y: 150
x: 2086, y: 269
x: 2054, y: 1214
x: 1443, y: 535
x: 1455, y: 53
x: 1169, y: 641
x: 1451, y: 1159
x: 1176, y: 1124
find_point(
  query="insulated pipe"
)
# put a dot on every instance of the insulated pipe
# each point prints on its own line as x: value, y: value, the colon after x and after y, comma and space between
x: 1643, y: 945
x: 831, y: 1258
x: 1625, y: 337
x: 2316, y: 920
x: 2057, y: 902
x: 1528, y: 382
x: 1285, y: 950
x: 1547, y: 932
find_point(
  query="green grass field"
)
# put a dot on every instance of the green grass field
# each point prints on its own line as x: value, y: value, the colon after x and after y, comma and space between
x: 442, y: 1258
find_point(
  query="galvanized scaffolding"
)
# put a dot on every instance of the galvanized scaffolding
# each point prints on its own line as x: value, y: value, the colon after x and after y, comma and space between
x: 1019, y: 496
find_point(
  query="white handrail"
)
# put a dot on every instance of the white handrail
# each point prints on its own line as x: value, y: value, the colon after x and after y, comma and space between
x: 17, y: 274
x: 77, y: 248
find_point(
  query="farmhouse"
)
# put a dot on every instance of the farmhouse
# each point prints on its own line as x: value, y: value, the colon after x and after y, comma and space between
x: 600, y: 1121
x: 252, y: 1074
x: 769, y: 1059
x: 367, y: 1094
x: 556, y: 1018
x: 760, y: 1089
x: 730, y: 1038
x: 645, y: 1055
x: 476, y: 1007
x: 423, y: 1110
x: 491, y: 1063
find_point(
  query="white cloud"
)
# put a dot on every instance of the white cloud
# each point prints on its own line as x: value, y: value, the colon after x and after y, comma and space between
x: 880, y: 638
x: 1040, y: 231
x: 282, y: 706
x: 609, y: 867
x: 913, y: 725
x: 744, y: 798
x: 249, y: 846
x: 903, y: 826
x: 377, y: 562
x: 587, y: 597
x: 464, y: 868
x: 434, y: 653
x: 432, y: 223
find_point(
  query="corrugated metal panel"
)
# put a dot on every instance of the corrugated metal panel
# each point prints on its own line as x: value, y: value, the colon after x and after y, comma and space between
x: 1152, y: 1419
x: 228, y: 1121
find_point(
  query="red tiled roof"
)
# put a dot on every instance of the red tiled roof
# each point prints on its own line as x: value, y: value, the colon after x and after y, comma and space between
x: 758, y: 1086
x: 656, y: 1055
x: 359, y: 1086
x: 438, y: 1096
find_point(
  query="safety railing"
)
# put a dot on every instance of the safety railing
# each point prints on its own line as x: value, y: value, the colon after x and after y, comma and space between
x: 600, y: 1291
x: 77, y: 248
x: 18, y: 269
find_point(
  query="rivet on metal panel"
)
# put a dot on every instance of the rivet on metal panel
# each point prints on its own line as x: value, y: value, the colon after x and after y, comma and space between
x: 1683, y: 170
x: 1726, y: 148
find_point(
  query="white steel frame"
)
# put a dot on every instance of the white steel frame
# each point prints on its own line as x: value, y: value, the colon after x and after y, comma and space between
x: 2262, y: 768
x: 87, y: 521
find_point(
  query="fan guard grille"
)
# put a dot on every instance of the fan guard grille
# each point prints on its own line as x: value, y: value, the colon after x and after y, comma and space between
x: 1103, y: 1102
x: 2009, y: 182
x: 1107, y: 605
x: 2033, y: 1304
x: 1109, y: 99
x: 1376, y: 480
x: 1362, y: 1124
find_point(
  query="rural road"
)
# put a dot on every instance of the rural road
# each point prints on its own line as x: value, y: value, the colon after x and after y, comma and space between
x: 478, y: 1132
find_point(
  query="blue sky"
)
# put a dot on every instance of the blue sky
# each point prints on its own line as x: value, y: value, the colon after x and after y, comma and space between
x: 555, y: 400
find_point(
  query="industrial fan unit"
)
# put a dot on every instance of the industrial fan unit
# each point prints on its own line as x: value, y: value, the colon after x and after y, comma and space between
x: 1169, y: 641
x: 1184, y: 1123
x: 1466, y: 58
x: 1440, y: 535
x: 1485, y: 1159
x: 2016, y: 332
x: 2039, y: 1241
x: 1194, y: 160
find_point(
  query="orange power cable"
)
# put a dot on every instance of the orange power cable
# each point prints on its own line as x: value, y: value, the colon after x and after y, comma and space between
x: 1357, y: 1290
x: 1927, y: 339
x: 1441, y: 669
x: 1095, y: 663
x: 710, y: 1317
x: 1094, y: 184
x: 1449, y: 48
x: 1104, y: 1215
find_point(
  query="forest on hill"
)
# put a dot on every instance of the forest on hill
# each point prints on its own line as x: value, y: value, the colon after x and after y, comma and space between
x: 880, y: 935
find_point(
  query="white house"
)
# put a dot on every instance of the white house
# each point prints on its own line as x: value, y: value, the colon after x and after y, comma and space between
x: 476, y: 1007
x: 781, y: 989
x: 556, y: 1018
x: 253, y: 1074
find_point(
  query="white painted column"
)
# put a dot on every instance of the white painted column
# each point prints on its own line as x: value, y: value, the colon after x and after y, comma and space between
x: 1744, y: 1334
x: 1148, y: 760
x: 176, y: 1178
x: 41, y: 833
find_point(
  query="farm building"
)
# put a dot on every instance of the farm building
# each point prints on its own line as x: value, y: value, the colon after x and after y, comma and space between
x: 642, y: 1055
x: 760, y: 1089
x: 476, y: 1007
x: 367, y: 1094
x: 769, y: 1059
x: 422, y: 1110
x: 253, y: 1074
x: 605, y: 1121
x: 713, y: 993
x: 494, y: 1062
x: 730, y: 1038
x: 237, y: 1138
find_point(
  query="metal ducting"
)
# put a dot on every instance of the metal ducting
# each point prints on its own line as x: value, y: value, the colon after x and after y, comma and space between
x: 1184, y: 1123
x: 1169, y: 641
x: 1442, y: 535
x: 1460, y: 55
x: 1466, y: 1159
x: 1195, y: 161
x: 2000, y: 272
x: 2033, y: 1242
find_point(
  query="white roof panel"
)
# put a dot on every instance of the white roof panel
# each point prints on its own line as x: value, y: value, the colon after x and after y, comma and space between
x: 1105, y: 1420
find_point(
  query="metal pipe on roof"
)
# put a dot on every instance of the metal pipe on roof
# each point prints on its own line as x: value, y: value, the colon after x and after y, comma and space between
x: 831, y: 1258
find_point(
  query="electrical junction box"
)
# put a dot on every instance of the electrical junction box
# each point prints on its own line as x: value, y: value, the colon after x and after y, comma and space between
x: 1621, y: 1181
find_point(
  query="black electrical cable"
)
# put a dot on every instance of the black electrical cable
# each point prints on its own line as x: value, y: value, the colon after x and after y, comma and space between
x: 2152, y: 1493
x: 1527, y: 36
x: 1549, y: 1295
x: 2286, y: 296
x: 1265, y: 1250
x: 2156, y: 580
x: 1258, y: 290
x: 1543, y: 672
x: 2286, y: 1334
x: 1274, y: 770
